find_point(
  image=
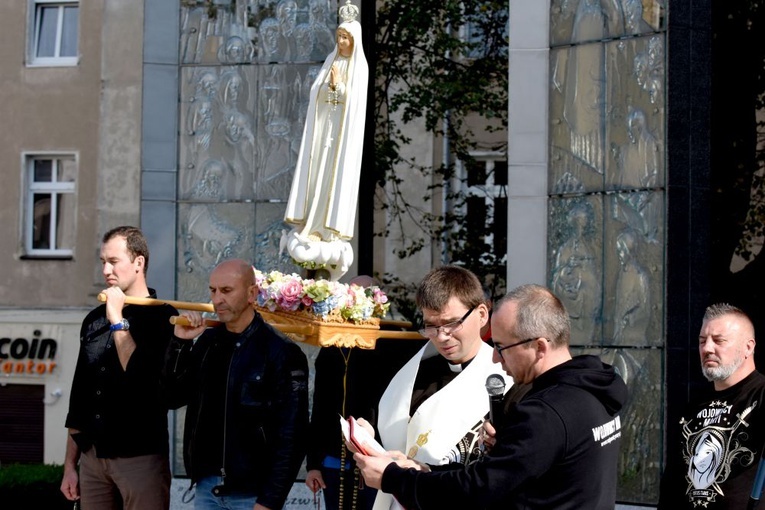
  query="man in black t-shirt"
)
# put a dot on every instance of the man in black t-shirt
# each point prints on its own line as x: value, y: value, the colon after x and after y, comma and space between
x: 722, y: 431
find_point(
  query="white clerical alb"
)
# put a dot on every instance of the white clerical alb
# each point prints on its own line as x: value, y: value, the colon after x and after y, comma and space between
x: 442, y: 420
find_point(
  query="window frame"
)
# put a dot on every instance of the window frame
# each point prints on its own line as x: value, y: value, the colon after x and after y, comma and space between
x: 34, y: 8
x: 55, y: 188
x: 487, y: 191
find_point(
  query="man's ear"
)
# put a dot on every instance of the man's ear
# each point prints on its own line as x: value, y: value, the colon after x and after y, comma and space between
x: 483, y: 313
x: 542, y: 345
x: 750, y: 344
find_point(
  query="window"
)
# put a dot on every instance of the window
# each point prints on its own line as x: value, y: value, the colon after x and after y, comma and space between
x: 485, y: 29
x: 49, y: 218
x: 485, y: 190
x: 53, y: 33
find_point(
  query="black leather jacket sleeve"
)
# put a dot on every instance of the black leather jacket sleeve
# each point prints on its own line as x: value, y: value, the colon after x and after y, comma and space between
x: 287, y: 437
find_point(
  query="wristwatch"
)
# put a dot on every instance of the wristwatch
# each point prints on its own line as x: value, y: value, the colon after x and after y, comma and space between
x: 122, y: 325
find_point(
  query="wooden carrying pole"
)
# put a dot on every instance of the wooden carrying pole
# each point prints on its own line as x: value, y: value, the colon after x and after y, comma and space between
x: 395, y: 324
x: 284, y: 328
x: 308, y: 331
x: 400, y: 335
x: 181, y: 305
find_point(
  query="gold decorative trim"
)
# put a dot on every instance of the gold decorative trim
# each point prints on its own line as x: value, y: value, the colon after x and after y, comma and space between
x: 332, y: 331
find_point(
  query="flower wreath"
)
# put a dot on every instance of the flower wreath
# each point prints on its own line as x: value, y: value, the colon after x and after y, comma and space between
x: 323, y: 299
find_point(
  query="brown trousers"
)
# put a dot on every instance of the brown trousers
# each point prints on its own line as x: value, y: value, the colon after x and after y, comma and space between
x: 129, y: 483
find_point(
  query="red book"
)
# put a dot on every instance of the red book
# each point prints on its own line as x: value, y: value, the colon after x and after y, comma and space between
x: 359, y: 437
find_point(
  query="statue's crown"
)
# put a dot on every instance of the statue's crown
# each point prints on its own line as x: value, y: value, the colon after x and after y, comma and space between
x: 348, y: 12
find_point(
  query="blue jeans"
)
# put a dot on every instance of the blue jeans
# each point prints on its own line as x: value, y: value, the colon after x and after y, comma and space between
x: 365, y: 496
x: 204, y: 499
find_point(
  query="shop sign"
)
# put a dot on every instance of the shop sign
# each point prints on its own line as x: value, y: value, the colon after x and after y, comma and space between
x: 24, y: 356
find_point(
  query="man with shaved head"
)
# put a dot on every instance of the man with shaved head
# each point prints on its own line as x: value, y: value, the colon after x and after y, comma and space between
x: 722, y: 431
x: 246, y: 387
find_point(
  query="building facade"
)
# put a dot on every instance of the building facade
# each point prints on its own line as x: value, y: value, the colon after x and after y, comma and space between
x: 72, y: 169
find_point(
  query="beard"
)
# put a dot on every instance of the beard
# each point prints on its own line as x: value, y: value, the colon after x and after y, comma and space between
x: 722, y: 372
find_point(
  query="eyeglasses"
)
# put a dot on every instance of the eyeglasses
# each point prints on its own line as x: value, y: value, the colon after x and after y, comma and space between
x: 500, y: 349
x: 449, y: 329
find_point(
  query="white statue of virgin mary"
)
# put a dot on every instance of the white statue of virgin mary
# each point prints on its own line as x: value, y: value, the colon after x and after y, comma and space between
x: 324, y: 194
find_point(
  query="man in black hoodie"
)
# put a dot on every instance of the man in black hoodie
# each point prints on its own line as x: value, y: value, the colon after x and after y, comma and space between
x: 558, y: 447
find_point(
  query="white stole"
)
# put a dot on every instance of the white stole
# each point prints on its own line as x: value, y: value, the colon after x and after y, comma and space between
x: 442, y: 420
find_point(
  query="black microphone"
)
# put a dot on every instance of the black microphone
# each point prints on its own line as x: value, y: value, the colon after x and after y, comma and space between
x: 495, y: 387
x: 759, y: 481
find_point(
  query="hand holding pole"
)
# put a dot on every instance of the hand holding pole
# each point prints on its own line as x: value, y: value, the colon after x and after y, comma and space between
x: 181, y: 305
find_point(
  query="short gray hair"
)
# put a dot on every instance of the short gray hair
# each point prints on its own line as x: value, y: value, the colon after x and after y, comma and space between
x: 540, y: 314
x: 719, y: 309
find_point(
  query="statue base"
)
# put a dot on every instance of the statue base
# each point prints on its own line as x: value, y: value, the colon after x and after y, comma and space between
x: 334, y: 256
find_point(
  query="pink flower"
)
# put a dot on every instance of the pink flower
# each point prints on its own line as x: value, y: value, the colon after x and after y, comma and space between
x: 379, y: 296
x: 291, y: 295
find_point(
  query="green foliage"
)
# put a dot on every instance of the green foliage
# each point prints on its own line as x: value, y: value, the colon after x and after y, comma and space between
x: 32, y: 486
x: 401, y: 297
x: 428, y: 71
x: 19, y: 475
x: 424, y: 71
x: 749, y: 244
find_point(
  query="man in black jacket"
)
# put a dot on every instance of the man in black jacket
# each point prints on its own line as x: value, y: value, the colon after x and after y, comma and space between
x: 558, y: 447
x: 246, y: 387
